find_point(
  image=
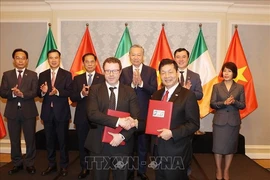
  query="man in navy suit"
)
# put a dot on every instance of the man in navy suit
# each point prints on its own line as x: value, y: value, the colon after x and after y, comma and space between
x: 106, y: 156
x: 173, y: 146
x: 55, y: 88
x: 80, y: 91
x: 143, y: 79
x: 19, y: 87
x: 192, y: 80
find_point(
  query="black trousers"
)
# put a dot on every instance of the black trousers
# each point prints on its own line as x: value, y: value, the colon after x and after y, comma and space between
x: 15, y: 126
x: 82, y: 131
x: 104, y: 162
x: 56, y: 130
x: 169, y: 168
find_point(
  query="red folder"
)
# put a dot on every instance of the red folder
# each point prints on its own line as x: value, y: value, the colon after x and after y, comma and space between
x: 158, y: 117
x: 107, y: 138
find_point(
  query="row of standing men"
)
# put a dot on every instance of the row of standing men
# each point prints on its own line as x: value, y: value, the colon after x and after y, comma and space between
x: 55, y: 85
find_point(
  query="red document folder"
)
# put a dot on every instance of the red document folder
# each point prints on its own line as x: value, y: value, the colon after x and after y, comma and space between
x: 158, y: 117
x: 107, y: 138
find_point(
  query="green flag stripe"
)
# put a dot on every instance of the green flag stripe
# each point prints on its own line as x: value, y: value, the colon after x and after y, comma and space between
x: 199, y: 48
x: 124, y: 45
x: 48, y: 45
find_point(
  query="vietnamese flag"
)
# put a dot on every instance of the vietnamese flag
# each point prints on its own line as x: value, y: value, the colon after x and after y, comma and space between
x: 162, y: 51
x: 86, y: 46
x: 3, y: 131
x: 236, y: 54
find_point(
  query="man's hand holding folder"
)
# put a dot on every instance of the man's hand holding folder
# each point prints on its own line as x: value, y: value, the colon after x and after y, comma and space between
x: 113, y: 135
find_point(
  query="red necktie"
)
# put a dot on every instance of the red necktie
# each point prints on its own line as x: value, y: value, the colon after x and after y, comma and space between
x: 165, y: 96
x: 19, y: 78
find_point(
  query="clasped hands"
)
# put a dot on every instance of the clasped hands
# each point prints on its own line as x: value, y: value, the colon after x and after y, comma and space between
x: 127, y: 123
x: 229, y: 100
x: 137, y: 80
x: 85, y: 90
x: 188, y: 84
x: 44, y: 89
x: 17, y: 92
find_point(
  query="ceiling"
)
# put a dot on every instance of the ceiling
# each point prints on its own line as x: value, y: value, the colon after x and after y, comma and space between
x: 259, y: 2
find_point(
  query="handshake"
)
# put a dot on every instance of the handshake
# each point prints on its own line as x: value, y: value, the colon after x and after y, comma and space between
x: 128, y: 123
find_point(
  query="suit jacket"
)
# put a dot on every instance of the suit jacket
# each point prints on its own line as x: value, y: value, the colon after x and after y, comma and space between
x: 185, y: 122
x: 97, y: 106
x: 28, y: 87
x: 196, y: 83
x: 149, y: 78
x: 77, y: 84
x: 60, y: 103
x: 227, y: 114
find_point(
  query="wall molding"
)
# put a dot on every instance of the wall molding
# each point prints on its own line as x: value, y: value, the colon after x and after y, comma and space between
x: 252, y: 151
x: 182, y: 6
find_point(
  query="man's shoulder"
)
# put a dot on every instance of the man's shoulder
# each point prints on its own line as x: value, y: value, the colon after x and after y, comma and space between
x: 9, y: 71
x: 192, y: 72
x: 64, y: 71
x: 127, y: 68
x: 30, y: 72
x: 43, y: 73
x: 148, y: 67
x: 99, y: 74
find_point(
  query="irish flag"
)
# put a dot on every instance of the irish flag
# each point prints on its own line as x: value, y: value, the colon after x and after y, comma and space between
x: 122, y: 51
x: 49, y: 44
x: 200, y: 62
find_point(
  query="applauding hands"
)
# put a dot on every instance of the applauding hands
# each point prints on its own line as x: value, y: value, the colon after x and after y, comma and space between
x: 17, y: 92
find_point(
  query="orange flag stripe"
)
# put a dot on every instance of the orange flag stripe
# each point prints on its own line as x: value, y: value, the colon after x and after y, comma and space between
x: 204, y: 103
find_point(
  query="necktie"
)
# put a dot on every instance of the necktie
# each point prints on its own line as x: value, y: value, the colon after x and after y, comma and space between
x: 165, y: 96
x: 137, y: 71
x: 19, y: 78
x: 89, y: 81
x: 182, y: 78
x: 112, y: 98
x: 53, y: 78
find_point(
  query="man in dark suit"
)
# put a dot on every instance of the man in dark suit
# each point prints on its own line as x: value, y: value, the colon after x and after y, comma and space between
x: 55, y: 88
x: 80, y: 90
x: 106, y: 156
x: 173, y: 147
x: 192, y: 80
x: 19, y: 87
x: 143, y: 79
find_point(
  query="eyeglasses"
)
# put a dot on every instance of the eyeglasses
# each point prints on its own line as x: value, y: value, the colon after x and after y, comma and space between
x: 20, y: 58
x: 115, y: 71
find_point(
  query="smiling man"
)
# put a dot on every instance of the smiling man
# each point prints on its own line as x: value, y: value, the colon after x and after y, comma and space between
x: 55, y: 88
x: 115, y: 96
x: 19, y: 87
x: 172, y: 147
x: 80, y: 92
